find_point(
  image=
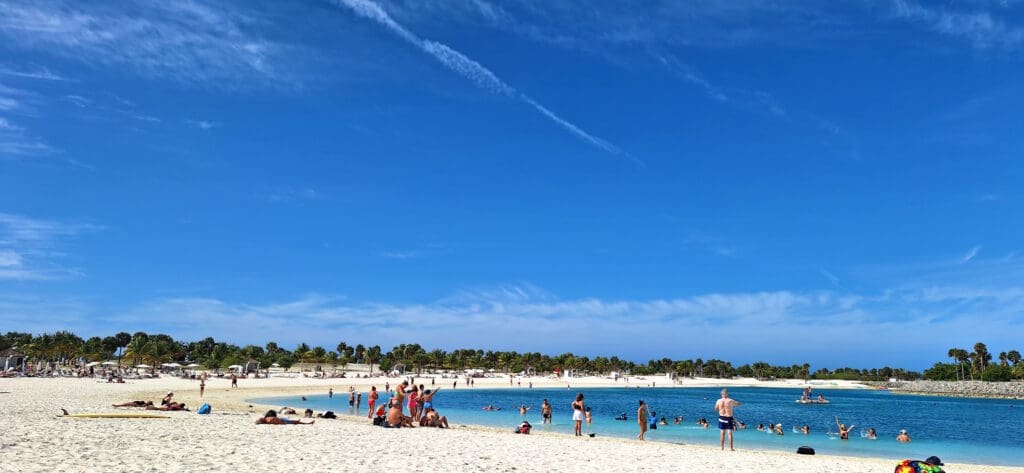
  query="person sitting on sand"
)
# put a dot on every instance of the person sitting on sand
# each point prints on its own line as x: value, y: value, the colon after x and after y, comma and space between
x: 167, y: 399
x: 844, y: 431
x: 395, y: 417
x: 173, y: 406
x: 134, y: 404
x: 903, y: 437
x: 271, y: 418
x: 524, y: 428
x: 433, y: 419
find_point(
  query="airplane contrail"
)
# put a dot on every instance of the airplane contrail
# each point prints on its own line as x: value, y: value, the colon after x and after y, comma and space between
x: 474, y: 71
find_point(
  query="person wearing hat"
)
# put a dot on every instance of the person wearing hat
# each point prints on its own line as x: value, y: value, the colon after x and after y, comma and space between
x: 903, y: 437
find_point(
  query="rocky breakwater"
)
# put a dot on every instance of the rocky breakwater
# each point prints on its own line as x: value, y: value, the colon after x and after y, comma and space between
x: 1007, y: 390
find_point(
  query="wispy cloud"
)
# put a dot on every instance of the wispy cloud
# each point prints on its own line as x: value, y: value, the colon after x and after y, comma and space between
x: 29, y: 247
x: 292, y: 194
x: 979, y: 27
x: 400, y: 255
x: 39, y: 73
x: 971, y: 253
x: 204, y: 124
x: 474, y: 71
x: 748, y: 99
x: 800, y: 325
x: 832, y: 278
x: 16, y: 142
x: 186, y: 40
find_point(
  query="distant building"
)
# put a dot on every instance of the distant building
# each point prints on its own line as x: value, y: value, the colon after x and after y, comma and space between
x: 12, y: 359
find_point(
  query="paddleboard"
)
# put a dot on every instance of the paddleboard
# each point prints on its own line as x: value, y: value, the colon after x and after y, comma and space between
x: 117, y: 415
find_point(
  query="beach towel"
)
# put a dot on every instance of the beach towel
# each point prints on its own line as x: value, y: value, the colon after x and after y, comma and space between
x: 204, y: 409
x: 917, y: 466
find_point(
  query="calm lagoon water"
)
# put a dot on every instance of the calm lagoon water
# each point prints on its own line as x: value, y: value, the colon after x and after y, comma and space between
x: 985, y: 431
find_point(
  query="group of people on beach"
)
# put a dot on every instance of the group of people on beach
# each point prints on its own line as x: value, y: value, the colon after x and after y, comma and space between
x: 166, y: 404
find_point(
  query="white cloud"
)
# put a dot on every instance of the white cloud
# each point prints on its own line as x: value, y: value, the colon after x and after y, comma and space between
x: 185, y: 40
x: 40, y: 73
x: 400, y: 254
x: 204, y: 124
x: 474, y: 71
x: 28, y: 247
x: 971, y: 253
x: 979, y: 27
x: 723, y: 325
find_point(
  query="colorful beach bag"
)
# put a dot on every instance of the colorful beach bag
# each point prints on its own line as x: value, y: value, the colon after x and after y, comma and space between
x: 917, y: 466
x: 203, y: 409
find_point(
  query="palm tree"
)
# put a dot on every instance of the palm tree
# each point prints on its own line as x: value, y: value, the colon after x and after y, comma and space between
x: 136, y: 349
x: 1003, y: 361
x: 980, y: 358
x: 1013, y: 356
x: 373, y: 356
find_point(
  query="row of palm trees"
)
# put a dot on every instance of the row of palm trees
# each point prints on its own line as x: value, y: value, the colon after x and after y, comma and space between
x: 156, y: 349
x: 971, y: 364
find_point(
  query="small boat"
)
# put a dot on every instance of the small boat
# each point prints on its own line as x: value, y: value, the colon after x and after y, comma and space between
x: 812, y: 401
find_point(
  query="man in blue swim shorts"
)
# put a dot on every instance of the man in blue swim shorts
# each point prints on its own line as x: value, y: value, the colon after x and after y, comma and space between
x: 724, y: 408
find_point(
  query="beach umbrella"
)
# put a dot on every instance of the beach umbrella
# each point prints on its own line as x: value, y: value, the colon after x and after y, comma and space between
x: 91, y: 364
x: 275, y: 365
x: 109, y: 363
x: 191, y: 365
x: 235, y: 367
x: 143, y: 366
x: 173, y: 365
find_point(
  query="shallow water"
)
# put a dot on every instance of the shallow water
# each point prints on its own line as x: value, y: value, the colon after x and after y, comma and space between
x: 987, y: 431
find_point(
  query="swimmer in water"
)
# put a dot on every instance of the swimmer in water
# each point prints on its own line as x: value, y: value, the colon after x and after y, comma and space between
x: 522, y: 409
x: 844, y: 431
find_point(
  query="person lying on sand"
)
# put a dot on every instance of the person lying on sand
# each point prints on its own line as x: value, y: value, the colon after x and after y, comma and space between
x: 174, y: 406
x: 433, y: 419
x: 271, y: 418
x: 134, y: 404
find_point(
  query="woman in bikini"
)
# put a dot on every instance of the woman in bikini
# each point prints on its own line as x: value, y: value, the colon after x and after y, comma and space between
x: 844, y: 431
x: 577, y: 414
x: 428, y: 400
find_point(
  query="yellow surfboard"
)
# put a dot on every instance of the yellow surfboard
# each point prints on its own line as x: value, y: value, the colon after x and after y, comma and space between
x: 117, y: 415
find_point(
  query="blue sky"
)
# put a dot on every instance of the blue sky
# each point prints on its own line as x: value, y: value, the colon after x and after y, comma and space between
x: 836, y: 183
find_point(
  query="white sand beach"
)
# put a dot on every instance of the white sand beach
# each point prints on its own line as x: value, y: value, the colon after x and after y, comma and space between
x: 36, y: 439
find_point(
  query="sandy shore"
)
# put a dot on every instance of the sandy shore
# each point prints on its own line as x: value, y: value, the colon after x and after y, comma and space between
x: 35, y: 439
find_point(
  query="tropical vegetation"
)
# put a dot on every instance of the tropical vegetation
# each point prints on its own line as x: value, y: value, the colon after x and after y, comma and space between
x: 155, y: 349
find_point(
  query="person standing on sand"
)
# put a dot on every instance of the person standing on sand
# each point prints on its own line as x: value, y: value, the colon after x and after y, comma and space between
x: 234, y: 380
x: 724, y: 408
x: 577, y: 414
x: 202, y: 386
x: 371, y: 401
x: 641, y: 418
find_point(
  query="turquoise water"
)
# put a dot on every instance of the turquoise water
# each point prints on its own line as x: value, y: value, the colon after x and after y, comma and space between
x: 986, y: 431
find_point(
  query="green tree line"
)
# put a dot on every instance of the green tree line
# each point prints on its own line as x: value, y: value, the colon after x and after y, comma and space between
x: 155, y: 349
